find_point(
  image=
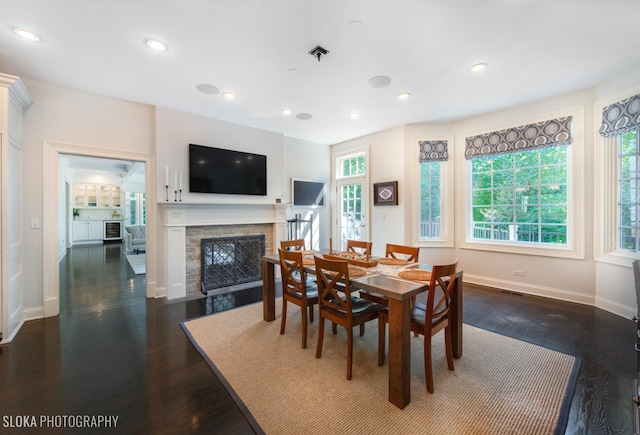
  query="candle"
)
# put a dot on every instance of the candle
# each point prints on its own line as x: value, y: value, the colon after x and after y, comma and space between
x: 175, y: 179
x: 166, y: 175
x: 180, y: 180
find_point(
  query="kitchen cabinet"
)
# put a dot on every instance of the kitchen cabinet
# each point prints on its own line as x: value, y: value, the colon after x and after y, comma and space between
x: 89, y: 195
x: 84, y: 231
x: 85, y: 195
x: 110, y: 196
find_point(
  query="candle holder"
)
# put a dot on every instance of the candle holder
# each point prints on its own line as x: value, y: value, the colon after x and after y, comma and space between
x: 180, y: 195
x: 166, y: 188
x: 175, y: 196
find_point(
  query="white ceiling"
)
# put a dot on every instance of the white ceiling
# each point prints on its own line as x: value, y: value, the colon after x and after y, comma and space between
x: 534, y: 49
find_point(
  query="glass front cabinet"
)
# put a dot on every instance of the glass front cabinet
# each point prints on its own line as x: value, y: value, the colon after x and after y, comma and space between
x: 96, y: 195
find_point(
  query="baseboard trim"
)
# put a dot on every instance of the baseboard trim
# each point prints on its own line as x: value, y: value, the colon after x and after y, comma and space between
x: 33, y: 313
x: 530, y: 289
x: 616, y: 308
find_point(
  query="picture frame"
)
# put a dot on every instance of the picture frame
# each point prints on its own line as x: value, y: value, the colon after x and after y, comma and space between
x: 385, y: 193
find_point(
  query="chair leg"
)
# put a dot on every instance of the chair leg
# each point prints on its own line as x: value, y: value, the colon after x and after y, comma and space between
x: 283, y: 321
x: 310, y: 313
x: 334, y: 328
x: 427, y: 362
x: 361, y: 329
x: 448, y: 347
x: 320, y: 337
x: 382, y: 328
x: 304, y: 328
x: 349, y: 352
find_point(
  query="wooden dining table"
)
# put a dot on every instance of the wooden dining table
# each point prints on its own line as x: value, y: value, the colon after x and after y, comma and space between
x: 399, y: 292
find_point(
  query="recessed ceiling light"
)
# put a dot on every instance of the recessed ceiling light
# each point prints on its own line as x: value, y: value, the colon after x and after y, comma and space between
x: 229, y: 95
x: 286, y: 112
x: 379, y: 81
x: 304, y: 116
x: 27, y: 34
x: 404, y: 95
x: 354, y: 26
x: 354, y: 115
x: 478, y: 67
x: 208, y: 89
x: 156, y: 45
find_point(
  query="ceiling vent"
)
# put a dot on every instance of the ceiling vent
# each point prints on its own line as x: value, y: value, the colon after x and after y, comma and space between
x: 318, y: 52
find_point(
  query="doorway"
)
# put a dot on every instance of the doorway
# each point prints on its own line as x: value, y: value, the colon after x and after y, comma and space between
x: 53, y: 214
x: 352, y: 202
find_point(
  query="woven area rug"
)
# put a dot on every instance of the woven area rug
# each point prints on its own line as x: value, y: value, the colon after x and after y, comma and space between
x: 138, y: 263
x: 500, y: 385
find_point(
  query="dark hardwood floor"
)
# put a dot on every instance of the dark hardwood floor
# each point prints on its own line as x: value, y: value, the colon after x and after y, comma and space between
x: 113, y: 352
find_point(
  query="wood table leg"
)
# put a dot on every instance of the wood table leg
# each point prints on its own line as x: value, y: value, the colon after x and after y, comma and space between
x: 399, y: 352
x: 456, y: 317
x: 268, y: 291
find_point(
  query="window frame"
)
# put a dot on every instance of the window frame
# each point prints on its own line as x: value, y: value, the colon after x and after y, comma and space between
x: 447, y: 198
x: 575, y: 246
x: 606, y: 190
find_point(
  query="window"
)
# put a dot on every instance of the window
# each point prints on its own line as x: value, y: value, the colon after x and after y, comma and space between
x: 135, y: 209
x: 628, y: 191
x: 521, y: 196
x: 430, y: 200
x: 525, y: 188
x: 353, y: 165
x: 617, y: 179
x: 433, y: 209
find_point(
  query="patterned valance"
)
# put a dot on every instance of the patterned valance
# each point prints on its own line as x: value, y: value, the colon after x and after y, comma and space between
x: 621, y: 117
x: 542, y: 134
x: 433, y: 151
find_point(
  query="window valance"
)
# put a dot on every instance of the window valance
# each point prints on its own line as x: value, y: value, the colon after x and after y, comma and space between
x: 621, y: 117
x: 433, y: 151
x: 542, y: 134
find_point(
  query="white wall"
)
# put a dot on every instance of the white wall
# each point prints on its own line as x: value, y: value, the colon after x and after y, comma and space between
x: 71, y: 117
x: 580, y: 280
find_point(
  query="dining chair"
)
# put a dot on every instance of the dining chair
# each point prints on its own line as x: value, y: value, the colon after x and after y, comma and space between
x: 428, y: 319
x: 290, y: 245
x: 636, y: 276
x: 399, y: 252
x: 337, y: 304
x: 296, y: 289
x: 359, y: 246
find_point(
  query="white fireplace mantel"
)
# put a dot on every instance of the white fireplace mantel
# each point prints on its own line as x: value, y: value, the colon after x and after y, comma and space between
x: 180, y: 215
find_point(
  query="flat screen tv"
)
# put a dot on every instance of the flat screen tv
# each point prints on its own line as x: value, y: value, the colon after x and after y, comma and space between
x: 217, y: 170
x: 305, y: 193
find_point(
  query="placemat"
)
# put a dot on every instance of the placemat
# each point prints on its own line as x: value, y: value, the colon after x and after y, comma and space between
x: 356, y: 271
x: 419, y: 275
x: 392, y: 261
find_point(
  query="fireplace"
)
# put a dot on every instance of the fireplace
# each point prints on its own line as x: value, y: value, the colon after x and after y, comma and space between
x: 229, y: 261
x: 187, y: 224
x: 198, y: 235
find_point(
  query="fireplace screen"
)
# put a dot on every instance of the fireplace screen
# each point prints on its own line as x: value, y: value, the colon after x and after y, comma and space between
x: 229, y: 261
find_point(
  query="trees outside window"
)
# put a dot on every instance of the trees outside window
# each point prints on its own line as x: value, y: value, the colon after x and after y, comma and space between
x: 521, y: 196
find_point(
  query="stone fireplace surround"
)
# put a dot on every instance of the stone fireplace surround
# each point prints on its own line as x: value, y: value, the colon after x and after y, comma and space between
x: 186, y: 223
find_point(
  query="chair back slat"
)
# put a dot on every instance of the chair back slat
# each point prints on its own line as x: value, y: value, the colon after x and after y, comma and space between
x: 442, y: 283
x: 359, y: 246
x: 292, y: 270
x: 292, y: 245
x: 409, y: 253
x: 333, y: 279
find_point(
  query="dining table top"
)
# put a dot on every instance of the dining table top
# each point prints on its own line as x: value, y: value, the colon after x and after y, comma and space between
x: 381, y: 279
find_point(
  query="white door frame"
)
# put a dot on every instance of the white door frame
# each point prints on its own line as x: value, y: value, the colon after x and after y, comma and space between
x: 338, y: 182
x: 50, y: 191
